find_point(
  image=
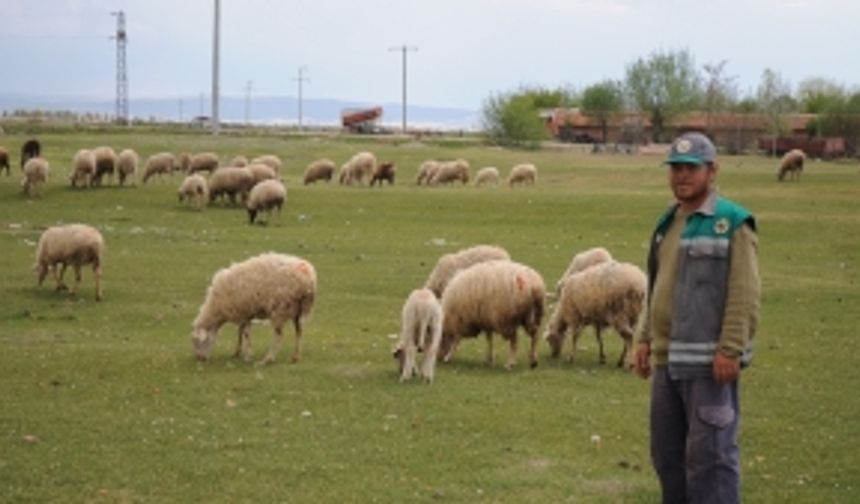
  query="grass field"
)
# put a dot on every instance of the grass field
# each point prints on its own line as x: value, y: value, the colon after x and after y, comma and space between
x: 103, y: 402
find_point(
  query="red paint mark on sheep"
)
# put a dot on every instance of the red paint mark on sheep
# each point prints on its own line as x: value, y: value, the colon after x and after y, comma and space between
x: 521, y: 283
x: 304, y: 268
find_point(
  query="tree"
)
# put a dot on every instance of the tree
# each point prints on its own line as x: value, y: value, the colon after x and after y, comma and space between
x: 720, y: 91
x: 513, y: 119
x: 774, y: 98
x: 664, y: 85
x: 602, y: 100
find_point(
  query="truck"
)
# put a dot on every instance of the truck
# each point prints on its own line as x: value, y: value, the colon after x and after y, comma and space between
x: 361, y: 120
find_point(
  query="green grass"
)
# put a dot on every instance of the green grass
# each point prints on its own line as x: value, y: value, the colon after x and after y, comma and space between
x: 121, y: 412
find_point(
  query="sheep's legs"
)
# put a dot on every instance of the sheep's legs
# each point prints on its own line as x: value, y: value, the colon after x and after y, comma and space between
x: 512, y: 355
x: 97, y: 273
x: 575, y: 338
x: 626, y: 333
x: 533, y: 362
x: 597, y: 331
x: 77, y: 283
x: 276, y: 345
x: 243, y: 346
x: 432, y: 348
x: 297, y: 344
x: 58, y: 276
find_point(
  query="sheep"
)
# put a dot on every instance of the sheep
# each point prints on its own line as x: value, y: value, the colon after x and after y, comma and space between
x: 609, y: 294
x: 159, y: 164
x: 230, y: 181
x: 265, y: 196
x: 493, y: 296
x: 384, y: 171
x: 261, y: 172
x: 239, y: 161
x: 83, y: 168
x: 791, y: 165
x: 31, y: 149
x: 4, y: 160
x: 357, y: 168
x: 105, y: 164
x: 126, y: 166
x: 583, y: 260
x: 35, y: 174
x: 426, y: 171
x: 195, y: 190
x: 451, y: 171
x: 322, y: 169
x: 205, y: 161
x: 274, y: 162
x: 449, y: 264
x: 73, y: 245
x: 274, y: 287
x: 525, y: 174
x: 488, y: 175
x: 185, y: 162
x: 421, y: 331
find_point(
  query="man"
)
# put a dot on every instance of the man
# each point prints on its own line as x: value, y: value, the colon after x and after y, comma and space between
x: 702, y: 314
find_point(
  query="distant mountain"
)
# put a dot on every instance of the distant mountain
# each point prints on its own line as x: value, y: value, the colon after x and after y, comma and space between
x: 263, y: 109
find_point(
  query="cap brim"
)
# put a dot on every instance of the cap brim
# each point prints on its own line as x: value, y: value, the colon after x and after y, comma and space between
x: 680, y: 158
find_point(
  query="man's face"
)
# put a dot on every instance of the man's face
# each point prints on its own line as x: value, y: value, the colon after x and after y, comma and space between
x: 690, y: 182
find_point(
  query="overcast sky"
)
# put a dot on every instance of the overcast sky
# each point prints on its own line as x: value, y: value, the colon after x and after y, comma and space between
x: 466, y: 49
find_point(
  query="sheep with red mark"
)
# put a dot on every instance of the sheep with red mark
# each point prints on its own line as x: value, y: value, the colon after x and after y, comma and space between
x: 449, y: 264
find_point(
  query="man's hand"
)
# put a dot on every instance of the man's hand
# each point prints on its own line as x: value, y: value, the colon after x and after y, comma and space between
x: 726, y: 369
x: 643, y: 359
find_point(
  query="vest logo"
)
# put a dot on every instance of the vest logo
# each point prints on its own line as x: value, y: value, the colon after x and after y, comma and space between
x: 721, y: 226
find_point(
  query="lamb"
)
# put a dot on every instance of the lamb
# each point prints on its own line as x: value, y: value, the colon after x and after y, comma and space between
x: 449, y: 264
x: 384, y: 171
x: 185, y: 162
x: 230, y: 181
x: 322, y: 169
x: 357, y: 168
x: 610, y: 294
x: 239, y: 161
x: 451, y: 171
x: 265, y: 196
x: 4, y: 160
x: 35, y: 174
x: 274, y: 287
x: 83, y: 168
x: 195, y: 190
x: 105, y: 164
x: 426, y: 171
x: 31, y: 149
x: 126, y: 165
x: 261, y: 172
x: 583, y: 260
x: 493, y: 296
x: 274, y: 162
x: 159, y: 164
x: 488, y: 175
x: 205, y: 161
x: 73, y: 245
x: 525, y: 174
x: 421, y: 331
x: 791, y: 165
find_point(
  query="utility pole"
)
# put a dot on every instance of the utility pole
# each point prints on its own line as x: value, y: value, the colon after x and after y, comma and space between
x: 121, y: 75
x: 248, y: 89
x: 216, y: 126
x: 405, y: 49
x: 300, y: 80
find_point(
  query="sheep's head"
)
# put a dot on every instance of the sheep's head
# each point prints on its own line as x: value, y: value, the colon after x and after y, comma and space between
x: 41, y: 269
x: 399, y: 354
x: 202, y: 340
x: 555, y: 340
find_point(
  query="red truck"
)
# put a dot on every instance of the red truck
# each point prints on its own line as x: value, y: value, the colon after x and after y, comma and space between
x: 361, y: 120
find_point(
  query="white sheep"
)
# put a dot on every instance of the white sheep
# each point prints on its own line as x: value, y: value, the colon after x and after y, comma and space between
x: 126, y: 165
x: 488, y: 175
x: 426, y: 171
x: 357, y: 168
x: 493, y: 296
x: 261, y: 172
x: 272, y: 161
x: 204, y: 161
x: 265, y: 196
x: 322, y: 169
x: 83, y: 168
x: 610, y: 294
x: 185, y: 162
x: 231, y: 181
x: 274, y: 287
x: 35, y: 174
x: 583, y: 260
x: 195, y: 190
x: 449, y: 264
x: 451, y: 171
x: 73, y: 245
x: 105, y: 164
x: 525, y: 174
x: 791, y: 164
x: 159, y: 164
x: 421, y: 331
x: 239, y: 161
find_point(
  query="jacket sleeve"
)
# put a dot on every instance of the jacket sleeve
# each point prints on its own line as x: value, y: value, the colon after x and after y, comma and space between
x: 743, y: 302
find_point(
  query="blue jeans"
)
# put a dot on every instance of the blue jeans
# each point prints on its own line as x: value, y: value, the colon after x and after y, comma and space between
x: 694, y: 426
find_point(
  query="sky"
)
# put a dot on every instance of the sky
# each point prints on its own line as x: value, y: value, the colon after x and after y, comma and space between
x: 465, y: 50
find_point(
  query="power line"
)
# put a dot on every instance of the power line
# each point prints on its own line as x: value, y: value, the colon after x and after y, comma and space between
x: 405, y: 49
x: 300, y: 80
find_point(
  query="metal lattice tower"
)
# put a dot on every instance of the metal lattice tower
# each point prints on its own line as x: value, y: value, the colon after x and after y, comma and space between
x: 121, y: 74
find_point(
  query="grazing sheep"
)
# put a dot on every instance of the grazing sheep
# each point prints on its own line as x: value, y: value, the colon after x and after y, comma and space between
x: 4, y: 160
x: 610, y: 294
x: 274, y: 287
x: 231, y: 181
x: 265, y: 196
x: 272, y: 161
x: 105, y: 164
x: 73, y: 245
x: 449, y: 264
x: 384, y: 171
x: 451, y: 171
x: 488, y: 175
x: 493, y: 296
x: 83, y: 168
x: 159, y: 164
x: 35, y: 174
x: 239, y: 161
x: 426, y: 171
x: 421, y: 331
x: 205, y: 161
x: 525, y: 174
x: 261, y: 172
x: 31, y: 149
x: 126, y: 166
x: 322, y: 169
x: 791, y: 165
x: 583, y: 260
x: 357, y: 168
x: 185, y: 162
x: 195, y: 190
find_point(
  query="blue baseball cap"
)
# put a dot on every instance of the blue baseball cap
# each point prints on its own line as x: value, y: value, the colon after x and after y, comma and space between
x: 693, y: 148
